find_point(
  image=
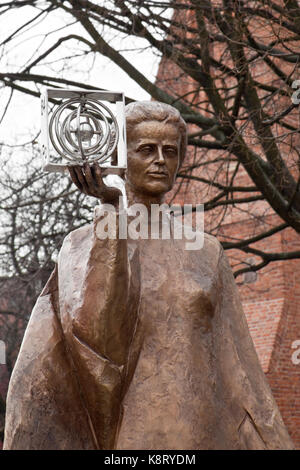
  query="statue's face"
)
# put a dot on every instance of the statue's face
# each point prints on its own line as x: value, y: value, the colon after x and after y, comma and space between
x: 153, y: 157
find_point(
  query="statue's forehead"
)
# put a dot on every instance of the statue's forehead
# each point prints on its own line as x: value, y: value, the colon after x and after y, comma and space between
x: 155, y: 131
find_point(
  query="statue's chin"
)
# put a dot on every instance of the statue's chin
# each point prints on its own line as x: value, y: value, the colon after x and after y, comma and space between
x: 156, y: 190
x: 153, y: 188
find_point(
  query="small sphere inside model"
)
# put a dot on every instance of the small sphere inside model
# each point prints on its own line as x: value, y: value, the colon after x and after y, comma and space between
x: 86, y: 131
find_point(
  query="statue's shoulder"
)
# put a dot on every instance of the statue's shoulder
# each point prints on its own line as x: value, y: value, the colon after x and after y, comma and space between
x: 78, y: 238
x: 211, y: 242
x: 212, y: 248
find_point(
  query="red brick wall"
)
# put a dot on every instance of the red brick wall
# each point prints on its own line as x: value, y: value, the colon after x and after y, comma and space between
x: 272, y: 308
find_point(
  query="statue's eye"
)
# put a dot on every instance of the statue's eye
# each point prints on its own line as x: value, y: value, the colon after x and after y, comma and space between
x: 170, y: 151
x: 146, y: 149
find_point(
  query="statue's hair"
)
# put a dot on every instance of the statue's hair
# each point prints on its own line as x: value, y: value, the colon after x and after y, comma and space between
x: 143, y: 111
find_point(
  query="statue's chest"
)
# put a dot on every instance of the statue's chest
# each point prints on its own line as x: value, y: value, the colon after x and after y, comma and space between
x: 177, y: 288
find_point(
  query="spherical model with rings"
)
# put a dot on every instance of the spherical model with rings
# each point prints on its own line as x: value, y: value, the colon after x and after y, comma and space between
x: 84, y: 130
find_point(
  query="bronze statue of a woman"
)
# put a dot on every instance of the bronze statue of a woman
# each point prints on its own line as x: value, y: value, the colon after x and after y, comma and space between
x: 140, y: 343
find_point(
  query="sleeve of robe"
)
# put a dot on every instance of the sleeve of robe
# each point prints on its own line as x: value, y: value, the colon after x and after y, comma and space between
x: 70, y: 375
x: 247, y: 410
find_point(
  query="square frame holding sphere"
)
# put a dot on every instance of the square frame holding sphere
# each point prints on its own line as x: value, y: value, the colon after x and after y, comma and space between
x: 82, y: 126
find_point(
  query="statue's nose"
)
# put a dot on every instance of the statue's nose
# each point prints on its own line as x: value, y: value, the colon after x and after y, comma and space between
x: 160, y: 157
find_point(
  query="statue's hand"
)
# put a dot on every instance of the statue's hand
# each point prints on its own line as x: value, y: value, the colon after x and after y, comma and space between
x: 89, y: 180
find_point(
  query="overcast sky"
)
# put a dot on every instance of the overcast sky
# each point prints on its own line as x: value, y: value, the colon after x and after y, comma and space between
x: 23, y: 117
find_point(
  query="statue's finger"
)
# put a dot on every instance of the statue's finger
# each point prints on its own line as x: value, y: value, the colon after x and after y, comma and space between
x: 97, y: 172
x: 81, y: 178
x: 74, y: 178
x: 89, y: 178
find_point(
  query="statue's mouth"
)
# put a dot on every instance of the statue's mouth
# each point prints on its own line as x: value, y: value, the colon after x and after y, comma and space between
x: 159, y: 174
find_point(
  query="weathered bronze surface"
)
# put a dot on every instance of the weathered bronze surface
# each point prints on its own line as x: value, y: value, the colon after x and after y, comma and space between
x: 140, y: 344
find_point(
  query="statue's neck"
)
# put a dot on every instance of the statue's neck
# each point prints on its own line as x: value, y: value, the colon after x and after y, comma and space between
x: 135, y: 197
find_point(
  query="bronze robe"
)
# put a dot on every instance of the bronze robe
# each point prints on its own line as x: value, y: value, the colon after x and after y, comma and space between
x: 140, y: 344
